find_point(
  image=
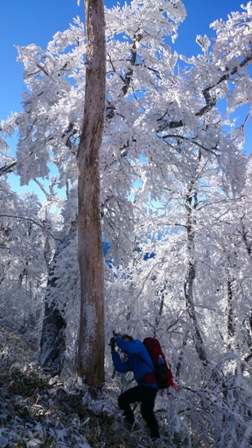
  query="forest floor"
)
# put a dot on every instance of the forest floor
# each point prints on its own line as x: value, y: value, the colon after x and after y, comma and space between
x: 38, y: 411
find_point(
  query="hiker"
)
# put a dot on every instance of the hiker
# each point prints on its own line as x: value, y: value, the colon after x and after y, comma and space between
x: 140, y: 363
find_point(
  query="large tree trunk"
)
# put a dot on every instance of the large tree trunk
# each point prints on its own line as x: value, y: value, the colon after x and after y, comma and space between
x: 90, y: 357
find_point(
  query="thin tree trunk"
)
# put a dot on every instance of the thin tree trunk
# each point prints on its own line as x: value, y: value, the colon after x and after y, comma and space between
x: 230, y: 310
x: 181, y: 355
x: 248, y: 246
x: 90, y: 356
x: 53, y: 340
x: 248, y: 355
x: 53, y: 335
x: 191, y: 203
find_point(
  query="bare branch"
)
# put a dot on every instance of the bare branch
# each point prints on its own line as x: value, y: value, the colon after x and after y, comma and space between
x: 210, y: 101
x: 7, y: 168
x: 6, y: 215
x: 189, y: 139
x: 42, y: 69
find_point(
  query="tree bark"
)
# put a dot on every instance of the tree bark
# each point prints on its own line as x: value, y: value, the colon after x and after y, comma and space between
x: 191, y: 203
x: 53, y: 335
x: 90, y: 356
x: 53, y: 340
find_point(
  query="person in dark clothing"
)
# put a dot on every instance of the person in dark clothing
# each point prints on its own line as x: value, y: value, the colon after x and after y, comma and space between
x: 140, y: 363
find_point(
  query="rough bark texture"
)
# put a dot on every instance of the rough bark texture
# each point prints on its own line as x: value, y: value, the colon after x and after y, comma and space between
x: 90, y: 357
x: 53, y: 335
x: 53, y: 341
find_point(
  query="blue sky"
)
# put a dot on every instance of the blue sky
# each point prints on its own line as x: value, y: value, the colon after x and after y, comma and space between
x: 35, y: 21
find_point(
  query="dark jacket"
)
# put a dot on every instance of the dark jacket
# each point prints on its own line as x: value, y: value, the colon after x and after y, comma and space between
x: 139, y: 360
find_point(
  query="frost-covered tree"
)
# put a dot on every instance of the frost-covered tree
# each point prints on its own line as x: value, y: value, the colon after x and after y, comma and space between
x: 23, y: 265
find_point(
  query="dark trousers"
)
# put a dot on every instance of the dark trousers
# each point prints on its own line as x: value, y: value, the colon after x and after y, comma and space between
x: 146, y: 396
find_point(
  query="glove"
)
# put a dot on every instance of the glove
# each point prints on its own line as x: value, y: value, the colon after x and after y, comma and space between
x: 116, y: 335
x: 112, y: 344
